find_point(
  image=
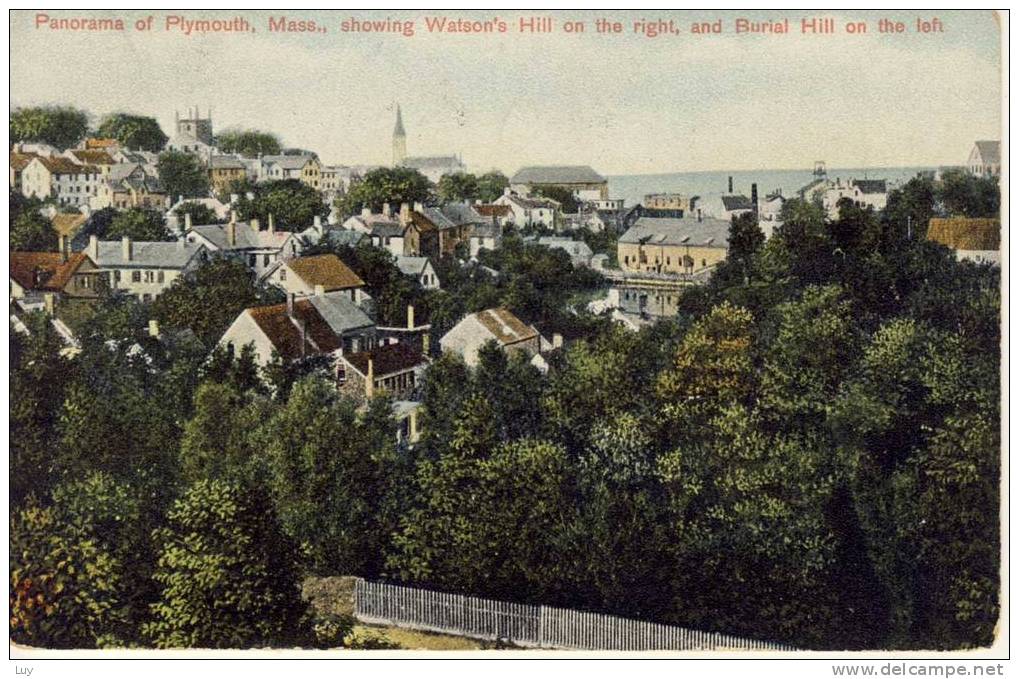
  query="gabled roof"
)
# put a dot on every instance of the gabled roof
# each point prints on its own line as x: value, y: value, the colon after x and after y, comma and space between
x: 504, y: 326
x: 325, y: 270
x: 990, y: 152
x: 61, y: 165
x: 388, y: 359
x: 53, y: 274
x: 411, y: 266
x: 245, y: 237
x: 532, y: 203
x: 386, y: 229
x: 93, y: 156
x: 148, y: 254
x: 574, y: 248
x: 295, y: 162
x: 686, y: 231
x: 20, y: 160
x: 285, y: 334
x: 462, y: 214
x: 871, y: 185
x: 966, y: 233
x: 340, y: 313
x: 493, y: 210
x: 557, y: 174
x: 737, y: 202
x: 101, y: 143
x: 226, y: 163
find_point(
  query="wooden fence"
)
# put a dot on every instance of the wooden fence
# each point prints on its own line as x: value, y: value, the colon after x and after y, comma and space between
x: 535, y: 626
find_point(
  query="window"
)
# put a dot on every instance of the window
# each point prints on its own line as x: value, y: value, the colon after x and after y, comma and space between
x: 252, y: 260
x: 341, y: 374
x: 283, y: 274
x: 160, y: 276
x: 265, y: 260
x: 150, y: 276
x: 136, y: 276
x: 704, y: 262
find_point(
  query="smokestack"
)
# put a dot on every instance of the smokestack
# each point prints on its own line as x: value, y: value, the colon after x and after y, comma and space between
x: 231, y: 233
x: 62, y: 244
x: 290, y: 304
x: 410, y: 316
x: 753, y: 196
x: 730, y: 184
x: 369, y: 383
x: 125, y: 248
x: 93, y: 247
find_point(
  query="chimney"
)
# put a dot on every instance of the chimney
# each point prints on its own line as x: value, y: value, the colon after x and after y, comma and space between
x: 386, y: 210
x: 290, y: 304
x: 418, y: 207
x: 272, y: 224
x: 93, y: 247
x: 234, y: 198
x: 507, y: 191
x: 256, y: 225
x: 366, y: 212
x: 231, y: 233
x: 302, y: 330
x: 730, y: 184
x: 233, y: 216
x: 426, y: 344
x: 320, y: 290
x: 369, y: 382
x: 50, y: 301
x: 153, y: 328
x: 125, y: 248
x: 699, y: 218
x: 180, y: 198
x: 753, y: 196
x: 404, y: 213
x: 557, y: 341
x: 410, y: 316
x: 62, y: 244
x: 187, y: 221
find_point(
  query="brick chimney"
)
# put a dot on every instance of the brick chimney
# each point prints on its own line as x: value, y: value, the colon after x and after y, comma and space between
x: 404, y: 214
x: 93, y: 247
x: 386, y: 210
x: 62, y: 245
x: 125, y: 248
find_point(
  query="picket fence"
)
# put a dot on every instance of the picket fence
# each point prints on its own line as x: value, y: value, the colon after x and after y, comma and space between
x: 533, y: 626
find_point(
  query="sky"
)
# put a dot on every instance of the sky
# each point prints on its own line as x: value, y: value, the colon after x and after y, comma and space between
x: 624, y: 104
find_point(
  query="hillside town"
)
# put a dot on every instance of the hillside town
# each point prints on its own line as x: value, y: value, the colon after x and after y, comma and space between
x: 355, y: 344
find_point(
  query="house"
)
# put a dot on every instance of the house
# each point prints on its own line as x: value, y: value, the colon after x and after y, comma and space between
x: 305, y: 168
x: 94, y: 157
x: 530, y: 211
x: 580, y: 180
x: 862, y: 192
x: 127, y: 185
x: 420, y: 269
x: 985, y: 159
x: 485, y: 237
x: 580, y: 253
x: 499, y: 325
x: 18, y: 163
x: 60, y: 178
x: 305, y: 276
x: 675, y: 205
x: 660, y: 245
x: 974, y: 239
x: 393, y: 369
x: 419, y: 231
x: 223, y: 170
x: 260, y: 250
x: 734, y: 206
x: 145, y: 269
x: 769, y: 213
x: 500, y: 214
x: 175, y: 222
x: 105, y: 144
x: 33, y: 275
x: 322, y: 324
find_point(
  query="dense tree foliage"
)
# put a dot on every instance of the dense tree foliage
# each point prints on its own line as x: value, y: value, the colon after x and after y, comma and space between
x: 32, y: 232
x: 200, y: 213
x: 182, y: 174
x: 386, y: 185
x: 292, y: 204
x: 138, y: 223
x: 248, y: 143
x: 138, y: 133
x: 59, y: 126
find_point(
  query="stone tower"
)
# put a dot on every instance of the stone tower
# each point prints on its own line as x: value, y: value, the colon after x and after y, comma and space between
x: 195, y: 126
x: 399, y: 140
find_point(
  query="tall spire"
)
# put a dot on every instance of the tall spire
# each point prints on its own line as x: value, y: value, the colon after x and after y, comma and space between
x: 398, y: 131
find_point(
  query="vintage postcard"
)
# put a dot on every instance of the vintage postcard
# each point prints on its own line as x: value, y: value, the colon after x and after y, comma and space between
x: 364, y: 333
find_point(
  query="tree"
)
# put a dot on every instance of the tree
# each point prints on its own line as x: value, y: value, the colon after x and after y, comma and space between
x: 248, y: 143
x: 227, y: 575
x: 200, y: 213
x: 965, y: 194
x: 60, y: 126
x: 395, y: 186
x: 139, y: 223
x: 457, y: 187
x: 140, y: 133
x: 31, y: 232
x: 182, y: 174
x: 561, y: 195
x: 292, y: 204
x: 491, y: 185
x: 217, y: 442
x: 209, y: 301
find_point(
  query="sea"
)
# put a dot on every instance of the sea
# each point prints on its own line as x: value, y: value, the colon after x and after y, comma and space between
x: 710, y: 186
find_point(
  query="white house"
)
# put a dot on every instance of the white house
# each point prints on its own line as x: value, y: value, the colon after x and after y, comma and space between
x: 580, y: 253
x: 985, y: 159
x: 261, y: 250
x: 145, y: 268
x: 498, y: 325
x: 485, y: 237
x: 322, y: 324
x: 420, y: 269
x: 529, y: 211
x: 60, y: 178
x: 769, y: 212
x: 863, y: 193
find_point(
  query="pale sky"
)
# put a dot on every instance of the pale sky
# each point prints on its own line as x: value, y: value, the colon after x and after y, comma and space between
x: 620, y: 103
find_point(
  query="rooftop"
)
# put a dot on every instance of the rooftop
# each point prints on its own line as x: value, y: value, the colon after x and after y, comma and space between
x: 504, y: 326
x: 557, y: 174
x: 686, y: 231
x: 386, y: 360
x: 325, y: 270
x: 990, y: 151
x: 966, y: 233
x: 53, y: 274
x: 152, y: 254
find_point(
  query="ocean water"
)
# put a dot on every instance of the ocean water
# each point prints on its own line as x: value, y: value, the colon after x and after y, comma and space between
x: 710, y: 186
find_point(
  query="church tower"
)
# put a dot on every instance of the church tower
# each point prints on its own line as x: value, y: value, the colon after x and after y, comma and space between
x: 399, y: 140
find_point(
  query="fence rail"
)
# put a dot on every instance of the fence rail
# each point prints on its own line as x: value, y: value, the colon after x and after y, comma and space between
x: 535, y: 626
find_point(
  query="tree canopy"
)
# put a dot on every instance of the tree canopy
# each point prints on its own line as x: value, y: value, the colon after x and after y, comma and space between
x: 248, y: 143
x: 182, y: 174
x: 59, y: 126
x: 138, y: 133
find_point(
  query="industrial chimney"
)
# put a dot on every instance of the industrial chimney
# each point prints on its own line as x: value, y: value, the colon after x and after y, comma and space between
x: 730, y: 184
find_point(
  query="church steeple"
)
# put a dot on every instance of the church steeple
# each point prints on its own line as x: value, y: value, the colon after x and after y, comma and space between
x: 399, y: 139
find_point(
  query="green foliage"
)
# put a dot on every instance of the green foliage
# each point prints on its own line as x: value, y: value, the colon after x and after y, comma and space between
x: 491, y: 185
x: 138, y: 223
x: 567, y: 201
x: 182, y: 174
x: 60, y: 126
x: 31, y: 232
x: 227, y: 574
x: 395, y: 186
x: 457, y: 187
x: 965, y: 194
x: 139, y: 133
x: 292, y: 204
x: 200, y: 213
x: 248, y: 143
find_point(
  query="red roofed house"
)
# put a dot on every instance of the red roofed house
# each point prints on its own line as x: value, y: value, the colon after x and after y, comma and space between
x: 394, y: 369
x: 37, y: 274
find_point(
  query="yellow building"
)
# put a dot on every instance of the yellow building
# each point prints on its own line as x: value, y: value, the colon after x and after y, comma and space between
x: 687, y: 246
x: 223, y: 170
